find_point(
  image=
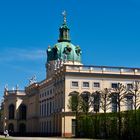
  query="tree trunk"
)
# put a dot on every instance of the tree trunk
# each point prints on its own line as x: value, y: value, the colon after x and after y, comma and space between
x: 119, y: 118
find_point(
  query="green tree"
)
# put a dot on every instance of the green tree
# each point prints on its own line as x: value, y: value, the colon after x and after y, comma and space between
x: 74, y: 104
x: 105, y: 102
x: 120, y: 93
x: 135, y: 93
x: 85, y: 102
x: 85, y: 106
x: 105, y: 99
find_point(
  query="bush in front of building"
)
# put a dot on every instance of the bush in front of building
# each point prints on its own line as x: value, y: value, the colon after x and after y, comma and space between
x: 97, y: 126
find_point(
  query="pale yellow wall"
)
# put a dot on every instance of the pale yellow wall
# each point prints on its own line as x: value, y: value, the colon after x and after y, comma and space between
x: 15, y: 98
x: 59, y: 99
x: 32, y: 99
x: 104, y: 83
x: 67, y: 124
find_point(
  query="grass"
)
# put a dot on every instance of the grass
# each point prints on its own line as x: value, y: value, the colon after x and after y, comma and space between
x: 3, y: 139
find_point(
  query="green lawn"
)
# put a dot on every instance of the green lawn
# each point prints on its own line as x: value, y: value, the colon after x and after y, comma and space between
x: 3, y: 139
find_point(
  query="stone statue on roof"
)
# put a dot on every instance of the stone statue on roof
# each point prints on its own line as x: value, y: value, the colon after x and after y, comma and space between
x: 32, y: 80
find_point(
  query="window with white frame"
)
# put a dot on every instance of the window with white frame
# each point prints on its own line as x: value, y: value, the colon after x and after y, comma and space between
x: 129, y: 102
x: 129, y: 86
x: 96, y: 101
x: 86, y: 84
x: 114, y: 85
x: 114, y: 102
x: 96, y: 84
x: 74, y: 83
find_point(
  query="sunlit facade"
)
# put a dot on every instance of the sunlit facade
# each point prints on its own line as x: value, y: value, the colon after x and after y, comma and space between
x: 42, y: 108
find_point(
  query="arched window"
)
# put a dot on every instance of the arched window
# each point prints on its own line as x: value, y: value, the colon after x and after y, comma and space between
x: 11, y: 128
x: 114, y: 99
x: 22, y: 112
x: 11, y: 112
x: 74, y: 101
x: 96, y: 101
x: 22, y: 128
x: 129, y: 102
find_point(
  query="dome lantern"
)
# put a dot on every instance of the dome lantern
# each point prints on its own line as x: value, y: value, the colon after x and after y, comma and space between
x: 64, y: 30
x: 64, y: 51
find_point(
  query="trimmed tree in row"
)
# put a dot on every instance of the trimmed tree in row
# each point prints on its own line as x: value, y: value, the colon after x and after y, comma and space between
x: 104, y: 100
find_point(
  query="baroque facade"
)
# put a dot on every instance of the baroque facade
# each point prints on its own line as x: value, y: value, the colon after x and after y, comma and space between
x: 42, y: 108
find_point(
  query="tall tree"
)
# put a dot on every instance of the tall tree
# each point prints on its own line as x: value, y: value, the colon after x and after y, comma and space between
x: 85, y: 106
x: 75, y: 106
x: 85, y: 102
x: 105, y: 102
x: 105, y: 99
x: 95, y: 101
x: 135, y: 92
x: 119, y: 93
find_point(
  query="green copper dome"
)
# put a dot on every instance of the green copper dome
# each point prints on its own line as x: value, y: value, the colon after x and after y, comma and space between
x: 64, y: 50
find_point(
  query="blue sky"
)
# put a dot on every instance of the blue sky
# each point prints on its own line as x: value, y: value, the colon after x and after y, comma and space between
x: 108, y: 31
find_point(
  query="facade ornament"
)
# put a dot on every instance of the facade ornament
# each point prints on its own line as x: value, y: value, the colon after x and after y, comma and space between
x: 49, y: 53
x: 32, y: 80
x: 6, y: 87
x: 55, y: 65
x: 55, y: 53
x: 78, y: 50
x: 61, y: 62
x: 17, y: 87
x: 58, y: 63
x: 65, y: 58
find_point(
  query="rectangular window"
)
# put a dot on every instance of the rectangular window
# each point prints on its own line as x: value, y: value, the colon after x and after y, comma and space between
x: 51, y: 91
x: 129, y: 102
x: 129, y: 86
x: 114, y: 85
x: 85, y: 84
x: 50, y: 107
x: 47, y: 109
x: 40, y: 109
x: 74, y: 84
x: 73, y: 127
x: 96, y: 84
x: 114, y: 102
x: 96, y: 102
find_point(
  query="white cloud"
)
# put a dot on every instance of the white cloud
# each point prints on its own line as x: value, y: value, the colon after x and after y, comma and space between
x: 17, y: 54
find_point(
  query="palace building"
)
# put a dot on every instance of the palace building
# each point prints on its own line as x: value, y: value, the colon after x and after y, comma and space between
x: 42, y: 108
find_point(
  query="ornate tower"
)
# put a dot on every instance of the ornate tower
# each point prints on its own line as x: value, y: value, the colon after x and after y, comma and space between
x: 63, y: 52
x: 64, y: 30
